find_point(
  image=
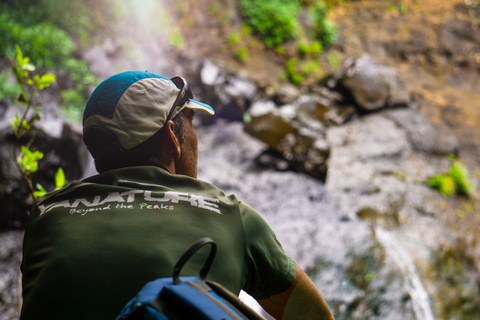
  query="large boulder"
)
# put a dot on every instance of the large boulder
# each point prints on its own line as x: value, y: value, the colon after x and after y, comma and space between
x: 373, y: 86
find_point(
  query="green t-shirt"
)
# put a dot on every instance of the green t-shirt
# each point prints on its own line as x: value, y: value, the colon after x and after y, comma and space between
x: 90, y: 247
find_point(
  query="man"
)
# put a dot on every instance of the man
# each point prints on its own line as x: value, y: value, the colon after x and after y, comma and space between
x: 91, y: 246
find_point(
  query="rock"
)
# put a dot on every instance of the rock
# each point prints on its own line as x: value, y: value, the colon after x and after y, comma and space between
x: 229, y: 94
x: 295, y: 132
x: 313, y: 107
x: 270, y: 128
x: 286, y: 94
x: 372, y: 86
x: 273, y: 159
x: 423, y: 136
x: 338, y: 115
x: 238, y: 89
x: 210, y: 73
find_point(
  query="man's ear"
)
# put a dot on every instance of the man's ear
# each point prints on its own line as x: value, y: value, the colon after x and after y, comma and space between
x: 172, y: 144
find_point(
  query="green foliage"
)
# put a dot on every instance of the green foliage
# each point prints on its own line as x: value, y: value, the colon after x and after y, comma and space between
x: 455, y: 181
x: 60, y: 181
x: 80, y: 18
x: 273, y: 21
x: 324, y: 29
x: 276, y: 22
x: 443, y: 183
x: 306, y: 49
x: 73, y: 99
x: 297, y: 71
x: 8, y: 90
x: 292, y: 72
x: 234, y: 39
x: 461, y: 178
x: 46, y: 44
x: 242, y: 54
x: 27, y: 159
x: 49, y: 47
x: 334, y: 60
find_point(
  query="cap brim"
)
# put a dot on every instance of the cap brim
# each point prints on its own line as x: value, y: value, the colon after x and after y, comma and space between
x: 192, y: 104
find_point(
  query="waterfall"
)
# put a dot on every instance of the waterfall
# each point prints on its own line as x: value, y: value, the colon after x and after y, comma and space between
x: 413, y: 284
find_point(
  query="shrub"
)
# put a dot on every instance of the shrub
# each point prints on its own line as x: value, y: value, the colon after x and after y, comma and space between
x: 273, y: 21
x: 455, y: 181
x: 443, y: 183
x: 45, y: 43
x: 49, y: 47
x: 459, y: 175
x: 323, y: 29
x: 242, y: 54
x: 292, y: 72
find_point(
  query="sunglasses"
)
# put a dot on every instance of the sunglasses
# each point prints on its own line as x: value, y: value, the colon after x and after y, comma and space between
x: 183, y: 96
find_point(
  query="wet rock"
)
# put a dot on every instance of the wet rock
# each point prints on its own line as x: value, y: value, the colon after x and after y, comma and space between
x: 270, y: 126
x: 338, y: 115
x: 422, y: 135
x: 293, y: 131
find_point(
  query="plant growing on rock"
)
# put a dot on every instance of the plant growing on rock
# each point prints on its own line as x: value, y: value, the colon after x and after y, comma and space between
x: 455, y: 181
x: 27, y: 159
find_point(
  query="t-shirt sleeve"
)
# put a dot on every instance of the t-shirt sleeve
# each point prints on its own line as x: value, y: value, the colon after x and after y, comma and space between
x: 270, y: 270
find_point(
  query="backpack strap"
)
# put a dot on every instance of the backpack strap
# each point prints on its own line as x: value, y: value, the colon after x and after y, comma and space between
x: 190, y: 252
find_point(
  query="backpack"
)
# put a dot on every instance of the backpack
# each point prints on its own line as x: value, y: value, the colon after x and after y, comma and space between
x: 187, y: 297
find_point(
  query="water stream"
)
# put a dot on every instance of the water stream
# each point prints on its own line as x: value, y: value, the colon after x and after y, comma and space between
x: 412, y: 282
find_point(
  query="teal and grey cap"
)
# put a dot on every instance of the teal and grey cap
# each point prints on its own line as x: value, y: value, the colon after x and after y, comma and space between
x: 130, y: 107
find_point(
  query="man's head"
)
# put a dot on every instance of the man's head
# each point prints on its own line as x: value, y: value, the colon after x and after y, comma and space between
x: 136, y: 117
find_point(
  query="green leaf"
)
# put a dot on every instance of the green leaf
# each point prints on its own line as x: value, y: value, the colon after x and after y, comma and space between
x: 29, y: 67
x: 40, y: 192
x: 14, y: 123
x: 19, y: 56
x: 25, y: 124
x: 44, y: 81
x: 29, y: 161
x: 60, y: 179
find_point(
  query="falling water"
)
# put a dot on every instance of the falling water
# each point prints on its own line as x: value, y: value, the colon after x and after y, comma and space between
x: 412, y: 282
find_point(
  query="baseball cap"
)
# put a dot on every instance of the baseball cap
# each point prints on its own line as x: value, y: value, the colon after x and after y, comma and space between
x: 130, y: 107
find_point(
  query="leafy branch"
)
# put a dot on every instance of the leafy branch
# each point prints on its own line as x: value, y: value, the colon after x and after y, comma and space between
x: 27, y: 159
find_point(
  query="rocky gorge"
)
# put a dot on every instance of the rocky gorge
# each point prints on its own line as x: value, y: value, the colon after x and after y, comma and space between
x: 338, y: 169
